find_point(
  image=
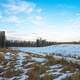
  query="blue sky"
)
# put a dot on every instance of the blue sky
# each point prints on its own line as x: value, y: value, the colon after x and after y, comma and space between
x: 55, y: 20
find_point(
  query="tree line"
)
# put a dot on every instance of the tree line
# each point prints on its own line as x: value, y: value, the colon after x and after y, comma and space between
x: 37, y: 43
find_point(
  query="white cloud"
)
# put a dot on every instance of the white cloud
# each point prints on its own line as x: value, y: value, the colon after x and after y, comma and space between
x: 12, y: 19
x: 36, y: 20
x: 75, y: 23
x: 12, y: 35
x: 15, y: 12
x: 39, y: 18
x: 20, y: 6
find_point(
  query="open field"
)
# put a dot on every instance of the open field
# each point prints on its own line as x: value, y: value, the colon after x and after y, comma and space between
x: 18, y: 65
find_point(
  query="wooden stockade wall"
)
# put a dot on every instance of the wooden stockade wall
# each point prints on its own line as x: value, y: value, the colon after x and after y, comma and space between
x: 2, y: 39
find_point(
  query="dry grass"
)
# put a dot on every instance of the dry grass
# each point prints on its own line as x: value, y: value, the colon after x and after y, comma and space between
x: 47, y: 76
x: 75, y: 76
x: 34, y: 73
x: 69, y: 68
x: 1, y: 56
x: 10, y: 73
x: 5, y: 50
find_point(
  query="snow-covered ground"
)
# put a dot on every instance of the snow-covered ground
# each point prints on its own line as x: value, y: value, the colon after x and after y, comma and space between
x: 64, y: 49
x: 28, y: 63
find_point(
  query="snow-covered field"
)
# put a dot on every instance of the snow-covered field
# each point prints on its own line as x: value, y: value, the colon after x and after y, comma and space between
x: 64, y: 49
x: 27, y: 65
x: 20, y: 65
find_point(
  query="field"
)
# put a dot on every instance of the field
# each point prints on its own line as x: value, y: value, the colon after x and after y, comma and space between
x: 22, y: 64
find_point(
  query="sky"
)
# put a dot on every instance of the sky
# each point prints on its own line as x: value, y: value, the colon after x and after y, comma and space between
x: 53, y: 20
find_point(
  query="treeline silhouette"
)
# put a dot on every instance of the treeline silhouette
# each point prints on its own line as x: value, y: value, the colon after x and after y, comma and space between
x: 37, y: 43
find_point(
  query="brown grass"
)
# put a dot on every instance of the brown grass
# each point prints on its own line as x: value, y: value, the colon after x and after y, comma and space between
x: 75, y: 76
x: 9, y: 74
